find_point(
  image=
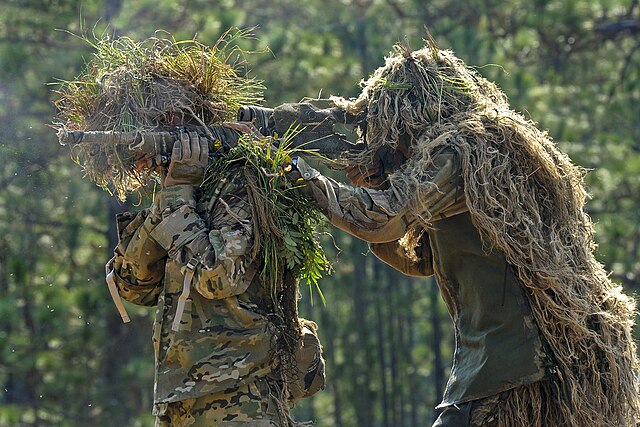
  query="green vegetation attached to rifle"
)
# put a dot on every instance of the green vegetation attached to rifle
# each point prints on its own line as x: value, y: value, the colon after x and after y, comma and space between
x: 285, y: 222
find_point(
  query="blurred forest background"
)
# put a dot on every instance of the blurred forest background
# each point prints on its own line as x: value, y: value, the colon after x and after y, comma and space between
x: 65, y: 357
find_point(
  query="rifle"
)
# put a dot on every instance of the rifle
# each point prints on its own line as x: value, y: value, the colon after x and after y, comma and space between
x: 317, y: 132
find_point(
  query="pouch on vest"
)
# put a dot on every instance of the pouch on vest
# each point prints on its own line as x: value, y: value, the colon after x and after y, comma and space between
x: 307, y: 377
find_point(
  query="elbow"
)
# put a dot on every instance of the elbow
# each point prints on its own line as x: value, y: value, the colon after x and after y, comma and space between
x: 372, y: 232
x: 372, y: 236
x: 218, y: 283
x: 138, y: 293
x: 145, y: 277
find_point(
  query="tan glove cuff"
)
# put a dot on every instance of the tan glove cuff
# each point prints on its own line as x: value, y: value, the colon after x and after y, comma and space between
x: 306, y: 172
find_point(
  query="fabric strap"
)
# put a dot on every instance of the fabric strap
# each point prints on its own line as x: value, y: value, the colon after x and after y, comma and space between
x: 186, y: 288
x: 113, y: 290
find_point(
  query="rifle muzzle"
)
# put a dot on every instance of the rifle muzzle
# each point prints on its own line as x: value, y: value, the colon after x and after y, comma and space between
x: 261, y: 117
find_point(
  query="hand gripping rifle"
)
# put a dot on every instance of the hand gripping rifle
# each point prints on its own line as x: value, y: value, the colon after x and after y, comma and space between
x: 316, y: 133
x: 318, y: 126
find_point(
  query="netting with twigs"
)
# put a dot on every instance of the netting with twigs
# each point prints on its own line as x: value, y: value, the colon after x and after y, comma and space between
x: 526, y: 197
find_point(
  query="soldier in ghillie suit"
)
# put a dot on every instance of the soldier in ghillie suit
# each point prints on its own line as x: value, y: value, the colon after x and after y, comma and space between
x: 454, y: 183
x: 209, y: 252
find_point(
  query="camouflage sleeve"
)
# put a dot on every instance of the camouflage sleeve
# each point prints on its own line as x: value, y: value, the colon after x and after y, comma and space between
x: 380, y: 216
x: 217, y: 256
x: 138, y: 263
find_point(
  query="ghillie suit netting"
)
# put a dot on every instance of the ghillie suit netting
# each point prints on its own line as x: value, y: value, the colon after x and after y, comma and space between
x: 527, y: 198
x: 152, y: 85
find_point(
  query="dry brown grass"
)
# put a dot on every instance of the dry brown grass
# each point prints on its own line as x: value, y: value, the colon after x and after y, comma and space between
x: 527, y: 198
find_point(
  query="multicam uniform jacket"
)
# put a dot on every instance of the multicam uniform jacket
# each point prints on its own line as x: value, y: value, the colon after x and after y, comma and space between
x: 498, y: 345
x: 191, y: 261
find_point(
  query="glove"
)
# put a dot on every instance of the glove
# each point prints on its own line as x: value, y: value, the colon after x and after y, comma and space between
x: 189, y: 160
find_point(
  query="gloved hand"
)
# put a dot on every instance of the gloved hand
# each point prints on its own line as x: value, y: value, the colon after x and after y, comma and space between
x: 188, y: 160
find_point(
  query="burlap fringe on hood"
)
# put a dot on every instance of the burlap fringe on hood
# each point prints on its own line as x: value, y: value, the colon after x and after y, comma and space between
x: 527, y: 198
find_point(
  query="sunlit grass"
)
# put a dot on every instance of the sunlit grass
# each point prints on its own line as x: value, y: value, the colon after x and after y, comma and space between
x: 285, y: 221
x: 130, y: 85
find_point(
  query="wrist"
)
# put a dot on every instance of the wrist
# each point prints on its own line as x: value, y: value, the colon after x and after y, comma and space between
x: 174, y: 196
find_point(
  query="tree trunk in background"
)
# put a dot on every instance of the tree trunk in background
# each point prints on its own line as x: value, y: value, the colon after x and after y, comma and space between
x: 361, y: 35
x: 111, y: 9
x: 378, y: 280
x: 411, y: 330
x: 401, y: 306
x: 364, y: 403
x: 116, y: 355
x: 389, y: 290
x: 24, y: 281
x: 328, y: 339
x: 438, y: 366
x: 362, y: 369
x: 9, y: 387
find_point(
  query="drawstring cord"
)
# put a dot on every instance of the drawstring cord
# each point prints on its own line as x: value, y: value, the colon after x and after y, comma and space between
x: 186, y: 288
x: 113, y: 290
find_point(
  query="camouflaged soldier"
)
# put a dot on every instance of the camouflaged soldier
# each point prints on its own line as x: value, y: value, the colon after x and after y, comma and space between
x: 454, y: 183
x: 189, y: 255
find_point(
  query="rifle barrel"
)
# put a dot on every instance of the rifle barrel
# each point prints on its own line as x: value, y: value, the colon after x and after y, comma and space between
x: 151, y: 142
x: 317, y: 132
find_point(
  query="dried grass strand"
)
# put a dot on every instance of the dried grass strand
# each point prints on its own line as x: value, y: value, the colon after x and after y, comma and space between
x: 146, y: 85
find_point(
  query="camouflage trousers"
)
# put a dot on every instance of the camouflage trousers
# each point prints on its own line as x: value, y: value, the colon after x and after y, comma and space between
x: 477, y: 413
x: 248, y: 405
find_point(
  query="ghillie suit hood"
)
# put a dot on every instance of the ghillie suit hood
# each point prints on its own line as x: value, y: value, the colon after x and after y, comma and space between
x: 148, y: 85
x: 527, y: 198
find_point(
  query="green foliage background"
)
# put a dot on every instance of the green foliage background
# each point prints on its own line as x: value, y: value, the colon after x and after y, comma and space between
x: 65, y: 358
